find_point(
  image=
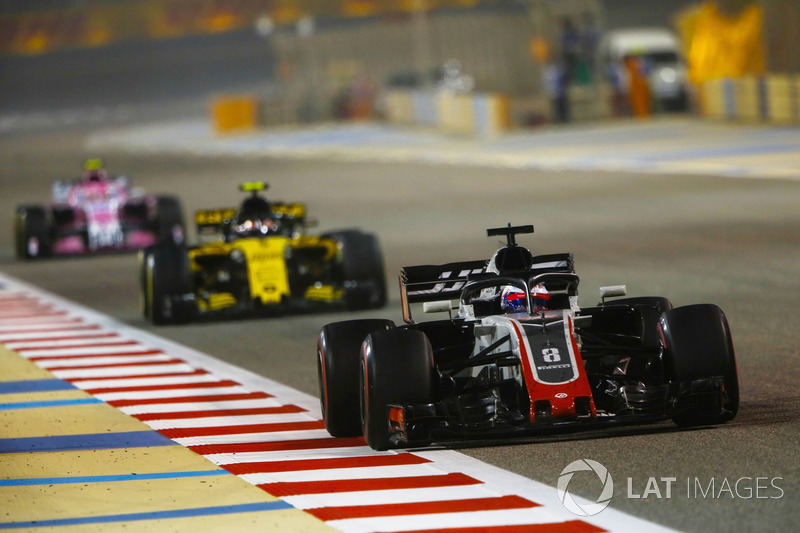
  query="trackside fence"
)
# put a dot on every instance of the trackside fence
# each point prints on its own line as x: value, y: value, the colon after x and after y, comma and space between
x: 772, y: 98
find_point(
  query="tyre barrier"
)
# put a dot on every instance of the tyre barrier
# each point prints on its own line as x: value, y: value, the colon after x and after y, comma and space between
x: 773, y: 98
x: 475, y: 114
x: 235, y: 113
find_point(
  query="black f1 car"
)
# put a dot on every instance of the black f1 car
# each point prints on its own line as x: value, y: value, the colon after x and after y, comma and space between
x: 259, y: 259
x: 518, y: 356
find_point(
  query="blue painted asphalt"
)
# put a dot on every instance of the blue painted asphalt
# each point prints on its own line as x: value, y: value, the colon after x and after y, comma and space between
x: 35, y: 385
x: 47, y: 403
x: 91, y: 441
x: 23, y: 482
x: 153, y: 515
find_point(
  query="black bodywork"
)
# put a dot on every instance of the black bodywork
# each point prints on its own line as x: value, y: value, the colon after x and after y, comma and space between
x: 639, y: 359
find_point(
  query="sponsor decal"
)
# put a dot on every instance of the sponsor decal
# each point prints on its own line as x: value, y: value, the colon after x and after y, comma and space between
x: 553, y: 362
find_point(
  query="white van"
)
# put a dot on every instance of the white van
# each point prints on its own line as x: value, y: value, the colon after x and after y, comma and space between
x: 660, y: 51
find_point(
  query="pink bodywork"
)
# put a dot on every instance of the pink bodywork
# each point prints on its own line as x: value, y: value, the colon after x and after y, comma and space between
x: 97, y: 202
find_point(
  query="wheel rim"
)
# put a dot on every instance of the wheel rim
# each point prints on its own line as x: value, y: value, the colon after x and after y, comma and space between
x: 33, y: 246
x: 363, y: 397
x: 323, y: 398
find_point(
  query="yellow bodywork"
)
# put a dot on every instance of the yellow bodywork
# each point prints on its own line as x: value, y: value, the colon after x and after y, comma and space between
x: 213, y: 217
x: 267, y: 270
x: 323, y: 293
x: 219, y: 300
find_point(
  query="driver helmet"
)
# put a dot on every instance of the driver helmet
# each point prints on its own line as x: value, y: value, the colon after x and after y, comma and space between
x: 255, y: 218
x: 255, y: 226
x: 93, y: 170
x: 514, y: 300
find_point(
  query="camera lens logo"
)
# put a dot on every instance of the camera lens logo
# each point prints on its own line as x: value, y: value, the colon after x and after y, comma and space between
x: 589, y: 509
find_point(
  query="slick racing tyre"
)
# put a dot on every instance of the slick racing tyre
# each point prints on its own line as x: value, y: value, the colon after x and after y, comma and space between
x: 31, y: 232
x: 170, y: 227
x: 697, y: 346
x: 143, y: 258
x: 362, y: 269
x: 396, y: 369
x: 165, y: 278
x: 338, y: 365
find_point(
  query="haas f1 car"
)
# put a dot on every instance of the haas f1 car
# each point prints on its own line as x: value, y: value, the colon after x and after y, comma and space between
x: 259, y: 260
x: 517, y: 355
x: 96, y: 213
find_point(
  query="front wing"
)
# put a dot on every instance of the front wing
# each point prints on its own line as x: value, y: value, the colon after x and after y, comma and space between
x: 423, y: 424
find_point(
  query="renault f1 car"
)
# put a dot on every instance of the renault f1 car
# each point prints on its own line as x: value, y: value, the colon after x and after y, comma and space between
x: 259, y: 259
x: 518, y: 355
x: 96, y: 213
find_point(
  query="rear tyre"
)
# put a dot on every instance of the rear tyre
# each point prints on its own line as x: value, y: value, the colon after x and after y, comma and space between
x: 651, y: 308
x: 170, y: 227
x: 338, y: 366
x: 698, y: 345
x: 362, y: 269
x: 396, y: 369
x: 31, y: 232
x: 165, y: 278
x: 144, y: 257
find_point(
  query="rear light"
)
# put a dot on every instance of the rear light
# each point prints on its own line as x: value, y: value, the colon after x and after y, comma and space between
x: 397, y: 420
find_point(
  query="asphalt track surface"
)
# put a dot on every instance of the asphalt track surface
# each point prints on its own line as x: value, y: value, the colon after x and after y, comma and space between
x: 692, y: 238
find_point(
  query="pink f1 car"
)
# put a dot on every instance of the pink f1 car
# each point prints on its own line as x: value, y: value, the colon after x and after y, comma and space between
x: 96, y: 213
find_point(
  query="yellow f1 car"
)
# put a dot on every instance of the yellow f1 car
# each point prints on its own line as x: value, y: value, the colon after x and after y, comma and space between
x: 259, y: 260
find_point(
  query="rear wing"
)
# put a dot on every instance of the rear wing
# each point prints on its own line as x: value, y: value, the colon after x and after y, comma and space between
x: 212, y: 224
x: 61, y: 189
x: 214, y: 217
x: 295, y: 212
x: 432, y: 283
x: 552, y: 263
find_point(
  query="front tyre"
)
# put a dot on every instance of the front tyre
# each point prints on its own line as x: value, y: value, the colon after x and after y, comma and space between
x: 165, y: 278
x: 31, y: 232
x: 170, y: 227
x: 338, y: 367
x: 396, y: 369
x: 698, y: 346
